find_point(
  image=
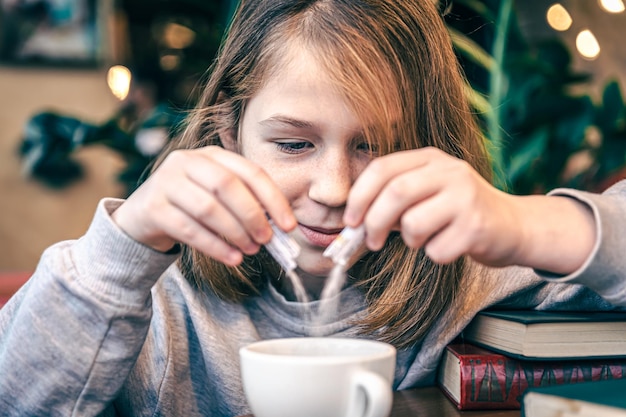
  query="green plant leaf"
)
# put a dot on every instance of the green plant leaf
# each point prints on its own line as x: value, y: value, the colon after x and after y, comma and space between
x: 522, y: 160
x: 612, y: 109
x: 479, y: 7
x: 571, y: 130
x: 471, y: 50
x: 478, y: 101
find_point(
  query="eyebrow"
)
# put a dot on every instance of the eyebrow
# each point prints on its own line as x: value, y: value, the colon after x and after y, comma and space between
x: 287, y: 122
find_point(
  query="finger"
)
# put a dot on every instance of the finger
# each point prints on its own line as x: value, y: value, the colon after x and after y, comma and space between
x: 399, y: 195
x: 231, y: 194
x: 457, y: 217
x: 210, y: 214
x: 487, y: 233
x: 456, y: 227
x: 262, y: 187
x: 374, y: 178
x: 420, y: 223
x: 183, y: 228
x: 369, y: 185
x: 448, y: 244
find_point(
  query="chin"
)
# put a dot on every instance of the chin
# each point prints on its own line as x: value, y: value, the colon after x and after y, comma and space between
x: 315, y: 265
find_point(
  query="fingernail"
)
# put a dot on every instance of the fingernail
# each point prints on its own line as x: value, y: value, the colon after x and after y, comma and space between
x: 289, y: 221
x: 251, y: 249
x: 373, y: 244
x: 349, y: 219
x: 233, y: 258
x: 263, y: 235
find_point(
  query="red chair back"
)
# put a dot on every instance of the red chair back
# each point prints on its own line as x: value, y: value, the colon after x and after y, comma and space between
x: 10, y: 282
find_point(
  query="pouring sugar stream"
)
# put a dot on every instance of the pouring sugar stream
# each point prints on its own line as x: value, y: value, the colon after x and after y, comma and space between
x: 285, y: 250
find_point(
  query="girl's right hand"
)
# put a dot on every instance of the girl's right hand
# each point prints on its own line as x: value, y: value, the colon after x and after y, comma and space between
x: 209, y: 198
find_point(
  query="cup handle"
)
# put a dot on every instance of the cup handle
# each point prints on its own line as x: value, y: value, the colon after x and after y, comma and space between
x: 371, y: 395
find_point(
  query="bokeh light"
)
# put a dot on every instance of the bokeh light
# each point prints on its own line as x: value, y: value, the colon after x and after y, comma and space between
x: 612, y: 6
x: 178, y: 36
x: 558, y: 17
x: 587, y: 44
x: 118, y: 79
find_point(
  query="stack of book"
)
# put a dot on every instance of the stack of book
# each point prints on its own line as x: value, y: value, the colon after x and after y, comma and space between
x: 589, y: 399
x: 502, y: 354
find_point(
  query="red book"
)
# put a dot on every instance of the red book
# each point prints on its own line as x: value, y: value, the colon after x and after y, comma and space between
x: 476, y: 378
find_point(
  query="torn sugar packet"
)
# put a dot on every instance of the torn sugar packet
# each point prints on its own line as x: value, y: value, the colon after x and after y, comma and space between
x: 345, y: 245
x: 283, y: 248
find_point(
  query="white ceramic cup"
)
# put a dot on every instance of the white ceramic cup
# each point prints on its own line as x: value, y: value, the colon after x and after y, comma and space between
x: 318, y: 377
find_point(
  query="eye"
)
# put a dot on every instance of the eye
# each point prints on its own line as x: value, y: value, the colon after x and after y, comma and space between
x: 371, y: 149
x: 294, y: 147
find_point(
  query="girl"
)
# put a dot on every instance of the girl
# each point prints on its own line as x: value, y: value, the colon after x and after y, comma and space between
x: 318, y: 114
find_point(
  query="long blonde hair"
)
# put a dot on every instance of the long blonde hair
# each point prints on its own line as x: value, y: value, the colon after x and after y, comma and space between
x: 387, y: 58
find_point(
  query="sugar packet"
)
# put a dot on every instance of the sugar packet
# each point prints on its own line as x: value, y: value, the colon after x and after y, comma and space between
x: 283, y: 248
x: 340, y: 251
x: 345, y: 245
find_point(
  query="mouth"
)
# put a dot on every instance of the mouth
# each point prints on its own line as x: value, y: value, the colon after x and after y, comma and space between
x: 317, y: 236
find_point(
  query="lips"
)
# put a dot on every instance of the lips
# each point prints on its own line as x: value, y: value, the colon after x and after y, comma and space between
x: 319, y: 236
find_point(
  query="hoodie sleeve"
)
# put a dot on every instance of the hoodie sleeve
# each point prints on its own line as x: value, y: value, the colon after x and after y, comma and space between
x: 605, y: 270
x: 70, y: 336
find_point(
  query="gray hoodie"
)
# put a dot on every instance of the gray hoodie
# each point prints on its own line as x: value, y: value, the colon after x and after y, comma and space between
x: 107, y: 326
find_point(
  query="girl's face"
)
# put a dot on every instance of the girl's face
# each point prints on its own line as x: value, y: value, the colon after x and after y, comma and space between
x: 302, y: 132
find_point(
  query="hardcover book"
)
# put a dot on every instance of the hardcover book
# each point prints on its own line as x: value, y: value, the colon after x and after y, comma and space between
x: 550, y: 335
x: 476, y: 378
x: 603, y: 398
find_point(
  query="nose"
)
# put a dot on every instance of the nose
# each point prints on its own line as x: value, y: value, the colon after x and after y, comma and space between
x: 331, y: 184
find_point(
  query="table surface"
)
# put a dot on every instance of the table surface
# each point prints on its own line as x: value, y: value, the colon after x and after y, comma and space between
x: 431, y: 402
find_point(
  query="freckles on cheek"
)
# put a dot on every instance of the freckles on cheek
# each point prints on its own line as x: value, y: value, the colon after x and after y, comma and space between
x: 290, y: 182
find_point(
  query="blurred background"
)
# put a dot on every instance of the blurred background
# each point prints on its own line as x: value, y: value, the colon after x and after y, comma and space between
x: 91, y: 90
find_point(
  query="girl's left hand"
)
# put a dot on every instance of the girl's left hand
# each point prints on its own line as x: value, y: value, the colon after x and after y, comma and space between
x: 441, y: 203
